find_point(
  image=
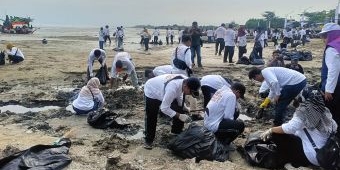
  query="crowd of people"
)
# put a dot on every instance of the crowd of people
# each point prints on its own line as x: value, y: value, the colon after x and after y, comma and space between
x: 168, y: 86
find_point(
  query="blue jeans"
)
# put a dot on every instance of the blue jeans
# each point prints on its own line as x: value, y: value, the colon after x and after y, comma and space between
x: 83, y: 112
x: 196, y: 49
x: 101, y: 45
x: 288, y: 93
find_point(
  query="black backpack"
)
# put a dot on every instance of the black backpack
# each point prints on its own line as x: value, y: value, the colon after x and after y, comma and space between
x: 179, y: 63
x: 2, y: 58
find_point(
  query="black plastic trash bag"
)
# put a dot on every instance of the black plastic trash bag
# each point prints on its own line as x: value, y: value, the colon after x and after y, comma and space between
x: 200, y: 143
x: 39, y: 157
x: 2, y: 58
x: 103, y: 119
x: 101, y: 75
x: 260, y: 153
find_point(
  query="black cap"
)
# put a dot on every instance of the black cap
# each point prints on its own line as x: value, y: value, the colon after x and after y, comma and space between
x: 194, y: 85
x: 239, y: 87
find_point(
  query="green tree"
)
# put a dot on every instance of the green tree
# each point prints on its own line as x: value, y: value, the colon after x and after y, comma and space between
x: 253, y: 23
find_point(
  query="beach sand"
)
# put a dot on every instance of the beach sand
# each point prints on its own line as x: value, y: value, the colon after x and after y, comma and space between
x: 51, y: 73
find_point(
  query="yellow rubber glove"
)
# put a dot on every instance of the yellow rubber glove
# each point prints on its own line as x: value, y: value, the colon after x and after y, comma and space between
x: 265, y: 103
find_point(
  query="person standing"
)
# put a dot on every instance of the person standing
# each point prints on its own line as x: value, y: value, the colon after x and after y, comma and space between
x: 167, y: 35
x: 167, y: 93
x: 284, y: 84
x: 330, y: 70
x: 275, y: 37
x: 265, y: 39
x: 259, y: 42
x: 219, y: 36
x: 242, y: 42
x: 210, y: 34
x: 155, y: 36
x: 107, y: 34
x: 183, y: 54
x: 123, y: 63
x: 196, y: 34
x: 172, y: 35
x: 14, y: 54
x: 229, y: 41
x: 303, y: 37
x: 96, y: 54
x: 180, y: 34
x: 120, y: 37
x: 146, y: 38
x: 101, y: 38
x: 220, y: 117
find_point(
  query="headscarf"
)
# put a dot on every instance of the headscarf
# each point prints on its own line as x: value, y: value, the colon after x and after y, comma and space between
x: 314, y: 113
x: 92, y: 86
x: 9, y: 46
x: 241, y: 32
x: 333, y: 39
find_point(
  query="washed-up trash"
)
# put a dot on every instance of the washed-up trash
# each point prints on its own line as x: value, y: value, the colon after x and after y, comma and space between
x: 51, y: 157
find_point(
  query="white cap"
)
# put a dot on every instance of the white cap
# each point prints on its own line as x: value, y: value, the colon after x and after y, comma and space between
x: 329, y: 27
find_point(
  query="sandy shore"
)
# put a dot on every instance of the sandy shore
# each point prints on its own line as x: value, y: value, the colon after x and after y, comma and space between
x: 51, y: 72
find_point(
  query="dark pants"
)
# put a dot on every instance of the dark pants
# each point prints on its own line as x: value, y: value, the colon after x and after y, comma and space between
x: 209, y: 39
x: 83, y: 112
x: 228, y: 52
x: 288, y: 93
x: 141, y: 39
x: 265, y: 42
x: 334, y: 106
x: 155, y: 40
x: 172, y: 39
x: 15, y: 59
x: 101, y: 45
x: 146, y: 44
x: 219, y: 42
x: 290, y: 150
x: 303, y: 40
x: 207, y: 92
x: 228, y: 130
x: 196, y: 50
x: 275, y: 42
x: 241, y: 51
x: 151, y: 114
x: 258, y: 51
x: 167, y: 40
x: 107, y: 37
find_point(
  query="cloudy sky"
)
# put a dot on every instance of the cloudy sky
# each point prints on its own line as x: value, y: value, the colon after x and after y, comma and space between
x: 154, y: 12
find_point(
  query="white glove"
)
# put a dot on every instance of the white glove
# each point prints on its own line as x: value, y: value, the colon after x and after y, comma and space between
x: 266, y: 135
x: 184, y: 118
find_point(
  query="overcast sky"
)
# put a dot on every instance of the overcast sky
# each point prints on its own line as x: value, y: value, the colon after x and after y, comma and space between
x: 154, y: 12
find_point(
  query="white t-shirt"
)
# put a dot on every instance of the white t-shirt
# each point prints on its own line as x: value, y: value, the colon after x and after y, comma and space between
x: 220, y: 32
x: 210, y: 33
x: 86, y: 103
x: 106, y: 31
x: 128, y: 65
x: 277, y: 77
x: 221, y: 106
x: 229, y: 38
x: 154, y: 89
x: 92, y: 58
x: 160, y: 70
x: 214, y: 81
x: 16, y: 51
x: 242, y: 41
x: 332, y: 59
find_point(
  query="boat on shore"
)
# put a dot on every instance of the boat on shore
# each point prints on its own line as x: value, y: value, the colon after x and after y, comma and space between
x: 17, y: 25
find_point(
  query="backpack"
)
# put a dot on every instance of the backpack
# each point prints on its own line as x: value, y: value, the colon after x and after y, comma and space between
x: 2, y: 58
x: 197, y: 141
x: 260, y: 153
x: 328, y: 156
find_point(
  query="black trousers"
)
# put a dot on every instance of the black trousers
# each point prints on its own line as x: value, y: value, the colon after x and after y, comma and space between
x: 275, y: 41
x: 228, y: 53
x: 207, y: 92
x: 219, y: 42
x: 167, y: 40
x: 241, y: 51
x: 15, y: 59
x: 151, y: 114
x: 146, y: 44
x: 290, y: 150
x: 265, y: 42
x: 107, y: 37
x: 172, y: 39
x: 228, y: 130
x: 259, y: 51
x: 155, y: 40
x: 334, y: 106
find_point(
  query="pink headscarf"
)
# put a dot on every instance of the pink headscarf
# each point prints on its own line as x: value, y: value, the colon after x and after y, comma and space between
x: 92, y: 86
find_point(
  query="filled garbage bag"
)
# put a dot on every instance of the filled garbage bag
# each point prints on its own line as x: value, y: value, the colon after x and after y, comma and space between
x: 200, y: 143
x: 101, y: 75
x: 260, y: 153
x: 39, y: 157
x: 104, y: 119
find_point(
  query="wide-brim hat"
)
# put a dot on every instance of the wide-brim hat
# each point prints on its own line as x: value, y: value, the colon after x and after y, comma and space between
x: 329, y: 27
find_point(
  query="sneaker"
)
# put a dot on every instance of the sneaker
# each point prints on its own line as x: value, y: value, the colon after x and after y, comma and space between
x: 147, y: 146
